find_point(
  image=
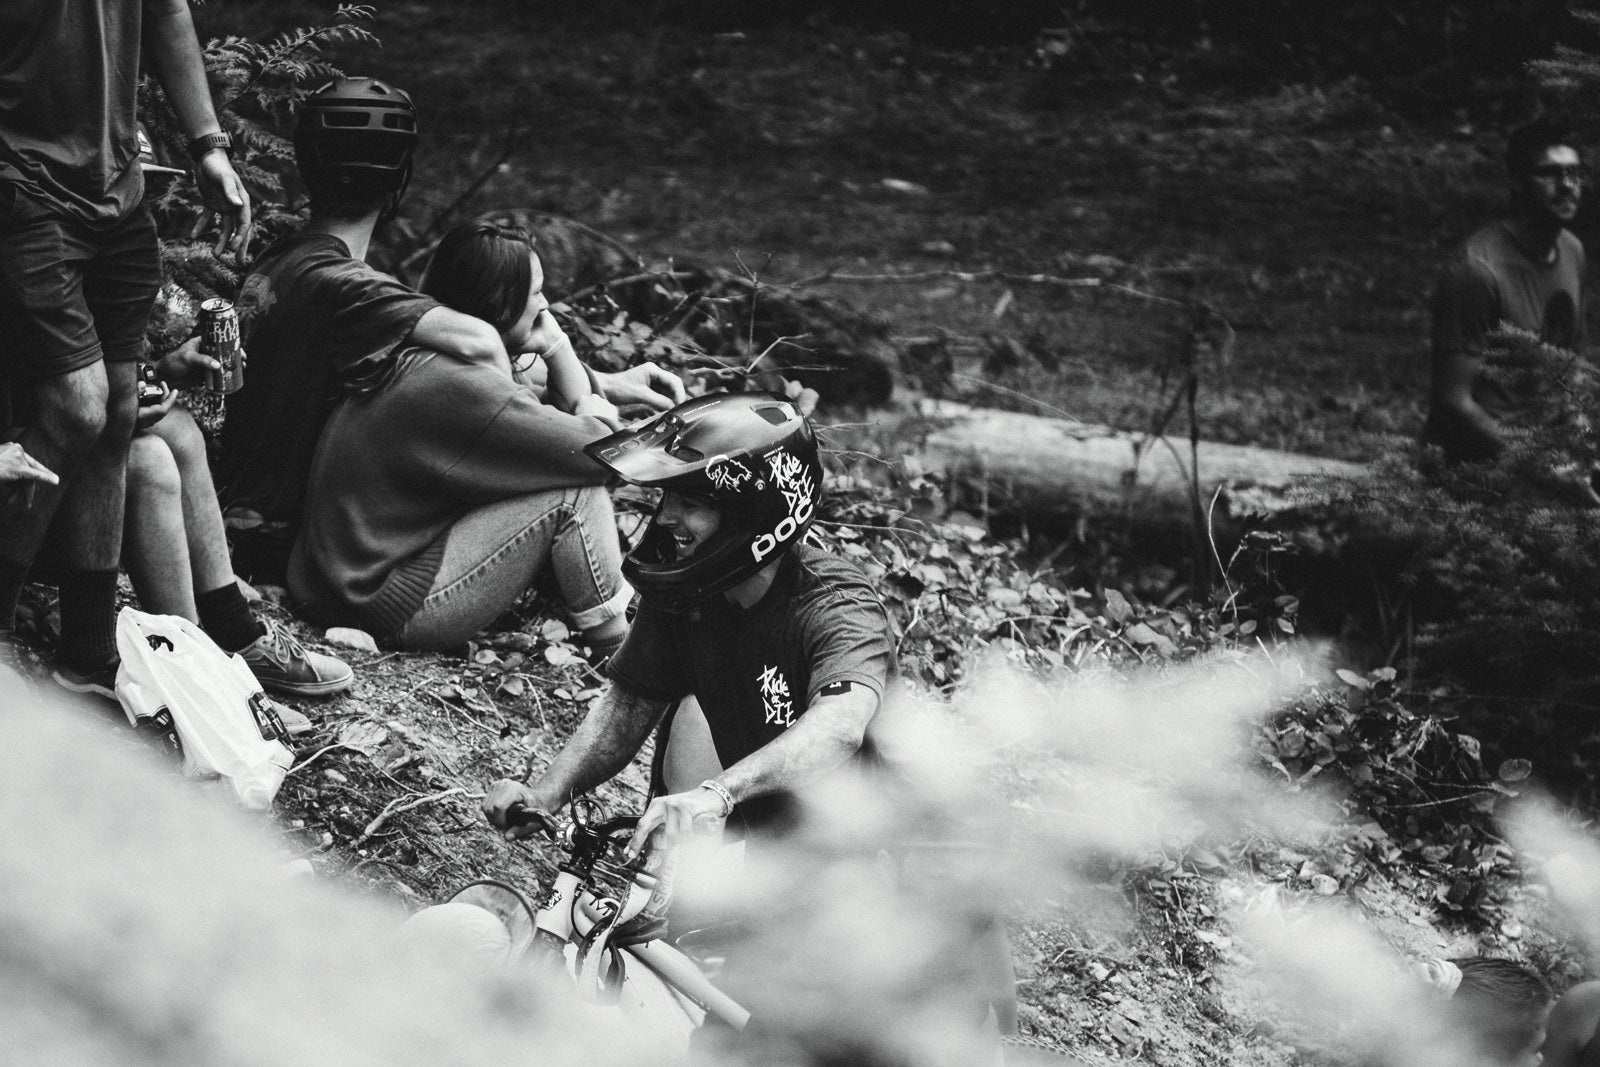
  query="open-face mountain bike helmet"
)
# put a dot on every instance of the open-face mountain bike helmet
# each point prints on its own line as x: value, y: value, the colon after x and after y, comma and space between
x: 752, y: 456
x: 355, y: 140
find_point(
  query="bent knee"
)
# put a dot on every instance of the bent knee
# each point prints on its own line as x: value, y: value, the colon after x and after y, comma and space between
x: 182, y: 435
x: 152, y: 471
x: 593, y: 499
x: 74, y: 421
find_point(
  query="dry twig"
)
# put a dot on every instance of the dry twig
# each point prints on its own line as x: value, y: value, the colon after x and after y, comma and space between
x: 395, y: 807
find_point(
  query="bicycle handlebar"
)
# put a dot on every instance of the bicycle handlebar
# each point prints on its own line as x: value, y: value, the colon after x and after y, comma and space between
x: 585, y: 842
x: 520, y: 815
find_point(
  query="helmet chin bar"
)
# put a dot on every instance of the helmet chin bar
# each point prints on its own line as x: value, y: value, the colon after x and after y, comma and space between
x: 654, y: 569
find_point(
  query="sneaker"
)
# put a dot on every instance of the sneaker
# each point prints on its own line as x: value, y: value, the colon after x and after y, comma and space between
x: 100, y: 682
x: 284, y: 665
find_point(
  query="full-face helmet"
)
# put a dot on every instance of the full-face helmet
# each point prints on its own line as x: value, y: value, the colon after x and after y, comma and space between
x: 752, y: 456
x: 355, y: 140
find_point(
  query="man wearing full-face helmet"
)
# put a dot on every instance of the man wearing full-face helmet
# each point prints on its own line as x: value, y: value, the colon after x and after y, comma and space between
x: 774, y: 653
x: 785, y: 647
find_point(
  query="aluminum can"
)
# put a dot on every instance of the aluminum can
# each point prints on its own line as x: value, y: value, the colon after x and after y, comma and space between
x: 219, y: 339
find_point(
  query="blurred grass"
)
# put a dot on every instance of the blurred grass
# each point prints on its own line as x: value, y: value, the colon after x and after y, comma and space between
x: 1311, y: 218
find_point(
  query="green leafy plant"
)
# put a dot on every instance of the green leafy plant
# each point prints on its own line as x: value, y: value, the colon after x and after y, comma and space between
x: 255, y: 87
x: 1498, y: 563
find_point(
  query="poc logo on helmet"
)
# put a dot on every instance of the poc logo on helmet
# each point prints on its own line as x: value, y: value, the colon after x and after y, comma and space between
x: 792, y: 478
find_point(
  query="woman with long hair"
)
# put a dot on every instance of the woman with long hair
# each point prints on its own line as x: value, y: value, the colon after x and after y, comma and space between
x: 442, y: 488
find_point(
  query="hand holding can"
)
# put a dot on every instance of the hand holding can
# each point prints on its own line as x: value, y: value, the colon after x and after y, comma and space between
x: 219, y: 339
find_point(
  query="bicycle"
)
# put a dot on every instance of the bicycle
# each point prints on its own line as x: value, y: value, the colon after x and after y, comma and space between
x: 601, y: 927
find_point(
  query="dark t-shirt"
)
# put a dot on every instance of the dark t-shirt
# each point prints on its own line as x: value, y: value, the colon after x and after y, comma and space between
x: 308, y: 313
x: 1491, y: 280
x: 755, y: 672
x: 69, y: 76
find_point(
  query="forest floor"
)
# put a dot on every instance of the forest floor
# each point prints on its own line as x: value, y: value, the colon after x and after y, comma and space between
x: 1309, y: 217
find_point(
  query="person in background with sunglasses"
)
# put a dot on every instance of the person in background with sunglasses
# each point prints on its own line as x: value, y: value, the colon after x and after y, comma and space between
x: 1526, y: 269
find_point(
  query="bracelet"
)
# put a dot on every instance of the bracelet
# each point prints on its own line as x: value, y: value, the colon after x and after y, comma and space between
x: 722, y: 792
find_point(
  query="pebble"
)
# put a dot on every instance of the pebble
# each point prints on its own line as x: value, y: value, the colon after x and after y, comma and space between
x: 350, y: 637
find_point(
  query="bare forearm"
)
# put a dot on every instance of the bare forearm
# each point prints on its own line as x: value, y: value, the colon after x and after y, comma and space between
x: 567, y: 380
x: 1454, y: 375
x: 463, y: 336
x: 174, y: 54
x: 602, y: 745
x: 1473, y: 423
x: 827, y: 735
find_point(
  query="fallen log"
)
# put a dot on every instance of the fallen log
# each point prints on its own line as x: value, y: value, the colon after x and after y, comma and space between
x: 1053, y: 471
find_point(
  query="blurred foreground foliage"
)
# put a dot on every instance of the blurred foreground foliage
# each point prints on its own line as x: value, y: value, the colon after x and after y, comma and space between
x: 1417, y: 803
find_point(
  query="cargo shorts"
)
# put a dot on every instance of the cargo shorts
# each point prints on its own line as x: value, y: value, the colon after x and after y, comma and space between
x: 72, y: 294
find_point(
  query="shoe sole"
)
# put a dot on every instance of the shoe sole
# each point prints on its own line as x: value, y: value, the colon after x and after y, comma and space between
x: 308, y: 689
x: 90, y: 688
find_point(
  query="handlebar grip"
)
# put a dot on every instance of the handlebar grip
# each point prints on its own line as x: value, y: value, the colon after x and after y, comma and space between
x: 519, y: 815
x: 616, y: 825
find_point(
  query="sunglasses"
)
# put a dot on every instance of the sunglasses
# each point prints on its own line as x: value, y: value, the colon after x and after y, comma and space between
x: 1564, y: 172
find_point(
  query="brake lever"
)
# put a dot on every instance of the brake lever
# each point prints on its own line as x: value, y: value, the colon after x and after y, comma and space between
x: 519, y: 815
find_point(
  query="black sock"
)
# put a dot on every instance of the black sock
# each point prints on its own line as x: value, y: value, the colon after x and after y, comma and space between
x: 601, y: 651
x: 225, y: 615
x: 88, y: 618
x: 13, y: 576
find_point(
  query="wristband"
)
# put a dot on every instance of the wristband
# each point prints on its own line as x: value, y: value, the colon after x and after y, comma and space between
x: 722, y: 792
x: 208, y: 141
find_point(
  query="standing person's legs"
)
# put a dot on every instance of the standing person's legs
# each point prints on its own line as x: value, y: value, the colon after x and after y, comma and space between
x: 75, y: 303
x: 90, y: 526
x: 493, y: 554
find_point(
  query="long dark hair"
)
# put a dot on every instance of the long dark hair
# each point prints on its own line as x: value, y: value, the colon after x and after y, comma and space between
x: 482, y: 269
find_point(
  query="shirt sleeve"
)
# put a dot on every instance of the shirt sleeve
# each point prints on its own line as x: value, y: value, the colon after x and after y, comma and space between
x: 1466, y: 309
x: 647, y: 661
x: 848, y: 639
x: 524, y: 446
x: 1584, y: 310
x: 369, y: 313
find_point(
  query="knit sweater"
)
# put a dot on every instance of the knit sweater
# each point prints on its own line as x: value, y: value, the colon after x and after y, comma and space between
x: 396, y: 469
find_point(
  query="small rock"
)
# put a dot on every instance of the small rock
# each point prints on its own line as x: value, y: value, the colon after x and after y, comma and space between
x: 350, y: 637
x: 899, y: 185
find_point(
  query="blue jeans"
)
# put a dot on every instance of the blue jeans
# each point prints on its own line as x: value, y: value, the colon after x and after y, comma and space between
x: 492, y: 556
